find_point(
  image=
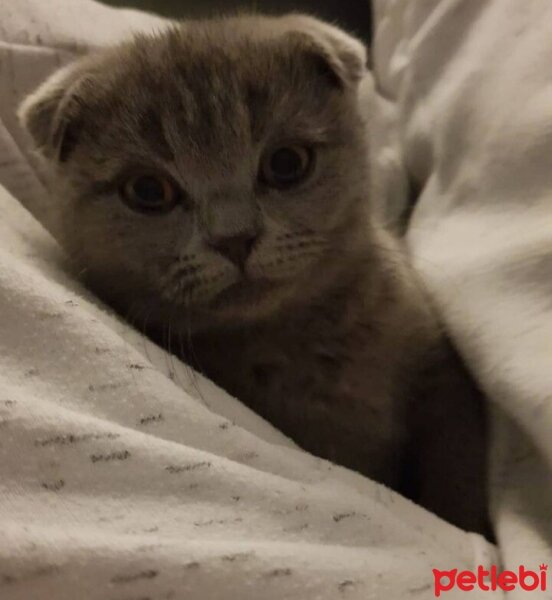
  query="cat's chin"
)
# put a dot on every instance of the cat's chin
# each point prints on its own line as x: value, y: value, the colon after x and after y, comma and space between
x: 253, y: 298
x: 248, y: 299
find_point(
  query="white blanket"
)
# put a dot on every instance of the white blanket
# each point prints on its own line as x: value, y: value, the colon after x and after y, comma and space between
x: 469, y: 87
x: 124, y: 476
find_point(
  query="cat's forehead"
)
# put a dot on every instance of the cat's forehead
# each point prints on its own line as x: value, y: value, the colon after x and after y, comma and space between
x: 209, y: 92
x: 180, y: 94
x: 248, y: 46
x: 203, y: 64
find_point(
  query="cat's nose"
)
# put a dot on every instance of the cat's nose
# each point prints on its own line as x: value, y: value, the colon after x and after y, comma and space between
x: 236, y: 248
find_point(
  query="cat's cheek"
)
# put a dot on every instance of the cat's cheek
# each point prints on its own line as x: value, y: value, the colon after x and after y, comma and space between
x: 320, y: 205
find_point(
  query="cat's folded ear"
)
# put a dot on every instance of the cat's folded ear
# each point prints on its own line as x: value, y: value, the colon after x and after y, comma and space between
x: 52, y: 114
x: 337, y: 54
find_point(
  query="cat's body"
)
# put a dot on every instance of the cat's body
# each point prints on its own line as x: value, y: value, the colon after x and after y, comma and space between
x: 238, y: 149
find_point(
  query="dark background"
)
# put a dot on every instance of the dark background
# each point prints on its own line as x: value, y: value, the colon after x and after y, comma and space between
x: 353, y: 15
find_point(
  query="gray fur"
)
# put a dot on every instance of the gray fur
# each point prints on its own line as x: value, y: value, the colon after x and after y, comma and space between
x: 327, y: 334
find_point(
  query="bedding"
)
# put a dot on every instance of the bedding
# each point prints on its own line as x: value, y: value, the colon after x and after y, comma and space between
x: 125, y: 475
x: 468, y: 92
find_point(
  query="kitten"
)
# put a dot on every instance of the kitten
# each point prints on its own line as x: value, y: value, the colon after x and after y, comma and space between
x: 213, y: 179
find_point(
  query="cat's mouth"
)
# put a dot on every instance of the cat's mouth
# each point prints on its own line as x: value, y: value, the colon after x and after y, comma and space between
x: 245, y: 291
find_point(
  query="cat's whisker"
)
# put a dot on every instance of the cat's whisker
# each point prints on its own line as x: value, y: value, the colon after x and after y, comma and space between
x: 193, y: 357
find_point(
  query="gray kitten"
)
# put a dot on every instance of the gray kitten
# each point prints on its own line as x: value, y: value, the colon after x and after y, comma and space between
x: 213, y: 180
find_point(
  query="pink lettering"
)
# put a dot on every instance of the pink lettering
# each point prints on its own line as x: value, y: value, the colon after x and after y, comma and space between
x: 482, y: 574
x: 466, y: 581
x: 493, y: 579
x: 524, y: 575
x: 439, y: 586
x: 507, y: 581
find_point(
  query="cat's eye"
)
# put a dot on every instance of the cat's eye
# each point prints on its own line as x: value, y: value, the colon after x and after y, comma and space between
x: 150, y: 193
x: 286, y: 166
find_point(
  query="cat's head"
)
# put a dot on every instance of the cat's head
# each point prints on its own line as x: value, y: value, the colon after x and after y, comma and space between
x: 219, y: 167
